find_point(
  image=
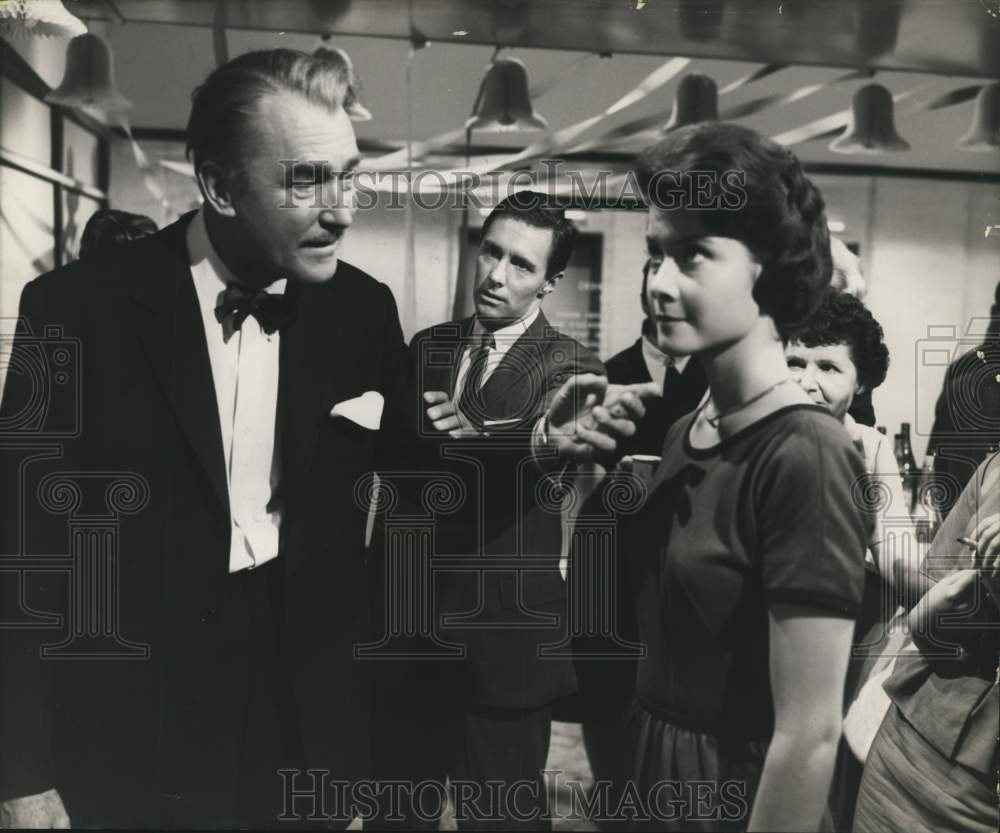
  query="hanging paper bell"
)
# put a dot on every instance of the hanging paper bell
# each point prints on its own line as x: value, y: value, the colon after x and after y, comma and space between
x: 697, y: 100
x: 38, y: 18
x: 503, y: 102
x: 984, y: 132
x: 871, y: 128
x: 89, y: 81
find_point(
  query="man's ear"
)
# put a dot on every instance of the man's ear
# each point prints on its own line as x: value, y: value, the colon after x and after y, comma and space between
x: 859, y: 390
x: 550, y: 284
x: 217, y: 187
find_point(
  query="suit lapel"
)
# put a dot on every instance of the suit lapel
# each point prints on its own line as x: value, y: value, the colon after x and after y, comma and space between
x: 169, y: 326
x: 638, y: 370
x: 524, y: 354
x: 311, y: 348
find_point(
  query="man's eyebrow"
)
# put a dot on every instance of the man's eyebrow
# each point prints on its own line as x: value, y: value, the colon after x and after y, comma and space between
x: 522, y: 262
x: 319, y: 171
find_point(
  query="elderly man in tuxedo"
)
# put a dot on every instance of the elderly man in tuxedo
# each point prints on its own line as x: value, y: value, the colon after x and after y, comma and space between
x: 505, y: 401
x: 214, y: 361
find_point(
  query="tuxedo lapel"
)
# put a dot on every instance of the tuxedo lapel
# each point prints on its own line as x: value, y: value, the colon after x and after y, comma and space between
x: 442, y: 356
x: 311, y: 348
x: 169, y: 328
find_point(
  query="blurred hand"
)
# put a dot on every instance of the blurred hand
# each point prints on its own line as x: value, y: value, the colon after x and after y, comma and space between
x: 41, y: 811
x: 588, y: 418
x: 445, y: 416
x: 952, y: 594
x: 987, y: 538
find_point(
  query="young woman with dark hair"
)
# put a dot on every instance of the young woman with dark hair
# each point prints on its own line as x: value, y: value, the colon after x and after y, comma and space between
x: 751, y: 546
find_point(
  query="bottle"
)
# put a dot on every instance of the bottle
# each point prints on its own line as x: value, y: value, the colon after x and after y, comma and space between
x: 907, y: 465
x: 931, y: 505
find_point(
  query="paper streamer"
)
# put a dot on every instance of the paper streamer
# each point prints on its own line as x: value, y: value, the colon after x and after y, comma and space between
x: 656, y: 79
x: 220, y: 43
x: 142, y: 162
x: 757, y: 105
x: 750, y: 77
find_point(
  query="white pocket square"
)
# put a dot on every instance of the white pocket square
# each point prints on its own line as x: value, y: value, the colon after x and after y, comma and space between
x: 365, y: 410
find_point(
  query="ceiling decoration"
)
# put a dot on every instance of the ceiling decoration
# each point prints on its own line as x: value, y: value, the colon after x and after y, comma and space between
x: 38, y: 18
x: 872, y: 127
x: 952, y: 37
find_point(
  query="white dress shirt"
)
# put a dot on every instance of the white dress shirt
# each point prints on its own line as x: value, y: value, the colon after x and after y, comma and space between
x: 657, y: 361
x: 504, y: 339
x: 245, y: 372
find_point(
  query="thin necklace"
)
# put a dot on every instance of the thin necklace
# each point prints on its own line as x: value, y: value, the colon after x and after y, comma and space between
x: 715, y: 420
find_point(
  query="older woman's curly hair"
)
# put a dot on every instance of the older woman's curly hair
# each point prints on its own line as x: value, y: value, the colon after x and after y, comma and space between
x: 843, y: 319
x: 750, y: 189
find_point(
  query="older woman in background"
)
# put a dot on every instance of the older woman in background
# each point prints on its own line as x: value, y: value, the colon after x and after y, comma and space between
x: 840, y: 355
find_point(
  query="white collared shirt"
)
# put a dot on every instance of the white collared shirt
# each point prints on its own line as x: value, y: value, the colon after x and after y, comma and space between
x: 504, y: 339
x: 245, y: 372
x: 657, y: 361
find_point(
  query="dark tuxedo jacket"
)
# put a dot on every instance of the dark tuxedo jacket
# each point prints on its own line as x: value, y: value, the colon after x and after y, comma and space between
x: 628, y: 367
x: 509, y: 510
x: 141, y: 396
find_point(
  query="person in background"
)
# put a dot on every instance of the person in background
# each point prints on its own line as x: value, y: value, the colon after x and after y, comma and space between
x: 967, y: 415
x: 108, y: 227
x: 752, y: 564
x: 840, y: 355
x: 933, y: 765
x: 848, y: 278
x: 485, y: 386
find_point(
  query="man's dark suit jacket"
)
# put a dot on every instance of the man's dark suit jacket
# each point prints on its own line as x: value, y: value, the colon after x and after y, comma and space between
x: 966, y: 418
x: 107, y: 731
x: 629, y: 367
x: 509, y: 510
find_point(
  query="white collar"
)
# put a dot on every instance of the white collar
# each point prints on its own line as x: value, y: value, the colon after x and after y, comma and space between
x: 654, y: 355
x: 506, y: 336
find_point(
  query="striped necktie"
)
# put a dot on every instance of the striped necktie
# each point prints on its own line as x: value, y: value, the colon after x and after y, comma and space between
x: 470, y: 403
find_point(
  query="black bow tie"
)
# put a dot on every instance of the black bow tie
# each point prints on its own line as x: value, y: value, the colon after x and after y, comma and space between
x: 271, y: 310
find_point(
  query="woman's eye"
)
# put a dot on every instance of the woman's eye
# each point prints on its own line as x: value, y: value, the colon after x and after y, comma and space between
x: 691, y: 255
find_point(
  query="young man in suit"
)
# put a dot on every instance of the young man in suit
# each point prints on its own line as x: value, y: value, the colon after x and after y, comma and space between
x: 487, y: 386
x: 211, y: 356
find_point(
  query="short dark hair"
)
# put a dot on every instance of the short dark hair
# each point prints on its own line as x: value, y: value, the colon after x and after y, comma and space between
x: 108, y: 227
x: 224, y: 107
x: 843, y: 319
x: 538, y: 210
x: 779, y: 216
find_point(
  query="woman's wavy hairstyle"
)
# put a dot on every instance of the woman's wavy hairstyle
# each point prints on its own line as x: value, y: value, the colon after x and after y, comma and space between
x: 752, y: 190
x: 843, y: 319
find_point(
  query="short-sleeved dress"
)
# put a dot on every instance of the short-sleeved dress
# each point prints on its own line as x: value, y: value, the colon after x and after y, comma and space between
x: 766, y: 516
